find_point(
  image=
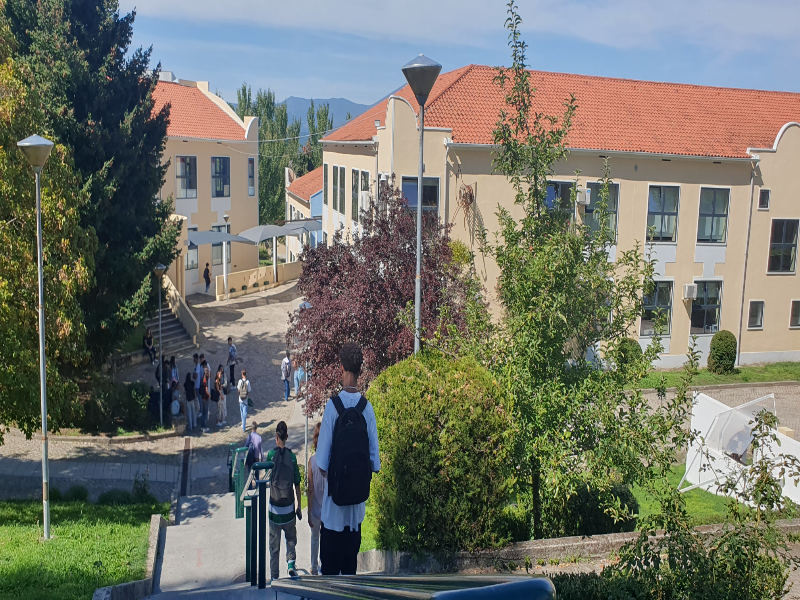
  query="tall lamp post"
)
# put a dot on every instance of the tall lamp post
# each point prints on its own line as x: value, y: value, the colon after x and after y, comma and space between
x: 421, y: 74
x: 159, y: 271
x: 36, y: 149
x: 226, y: 217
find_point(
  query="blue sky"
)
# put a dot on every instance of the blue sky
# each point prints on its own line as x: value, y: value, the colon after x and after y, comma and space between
x: 354, y: 49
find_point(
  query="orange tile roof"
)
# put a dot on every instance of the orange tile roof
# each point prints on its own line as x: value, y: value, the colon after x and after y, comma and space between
x: 306, y: 186
x: 613, y: 114
x: 193, y: 114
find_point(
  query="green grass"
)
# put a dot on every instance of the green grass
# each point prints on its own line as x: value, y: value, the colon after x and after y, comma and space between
x: 368, y: 530
x: 703, y: 507
x: 787, y: 371
x: 93, y: 546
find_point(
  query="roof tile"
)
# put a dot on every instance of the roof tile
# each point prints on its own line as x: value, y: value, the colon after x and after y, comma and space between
x: 193, y: 114
x: 306, y: 186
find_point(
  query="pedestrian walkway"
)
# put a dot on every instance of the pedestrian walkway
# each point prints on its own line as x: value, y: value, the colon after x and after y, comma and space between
x: 79, y: 471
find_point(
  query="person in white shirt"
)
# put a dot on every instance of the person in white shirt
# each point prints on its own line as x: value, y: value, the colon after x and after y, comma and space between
x: 244, y: 393
x: 340, y: 536
x: 286, y: 374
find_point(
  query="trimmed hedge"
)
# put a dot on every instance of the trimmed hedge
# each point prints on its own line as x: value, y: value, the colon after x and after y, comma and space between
x: 446, y: 443
x: 722, y: 354
x: 628, y: 351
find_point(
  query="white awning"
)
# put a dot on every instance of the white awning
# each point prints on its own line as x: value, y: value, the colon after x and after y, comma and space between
x: 291, y: 228
x: 201, y: 238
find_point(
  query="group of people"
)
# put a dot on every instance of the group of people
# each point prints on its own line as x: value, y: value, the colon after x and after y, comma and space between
x: 339, y: 473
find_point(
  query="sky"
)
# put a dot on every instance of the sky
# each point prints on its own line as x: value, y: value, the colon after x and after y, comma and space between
x: 355, y: 49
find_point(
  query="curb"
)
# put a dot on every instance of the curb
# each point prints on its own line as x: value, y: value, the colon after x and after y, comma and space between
x: 136, y: 590
x: 727, y: 386
x: 391, y: 562
x: 118, y: 439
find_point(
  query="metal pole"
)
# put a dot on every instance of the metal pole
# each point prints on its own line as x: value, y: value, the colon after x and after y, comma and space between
x: 42, y: 360
x: 160, y: 359
x: 306, y: 411
x: 225, y: 269
x: 262, y: 534
x: 418, y: 290
x: 253, y: 538
x: 274, y: 260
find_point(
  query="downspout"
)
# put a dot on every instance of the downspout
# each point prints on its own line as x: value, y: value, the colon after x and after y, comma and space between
x: 446, y: 183
x: 746, y: 254
x: 391, y: 160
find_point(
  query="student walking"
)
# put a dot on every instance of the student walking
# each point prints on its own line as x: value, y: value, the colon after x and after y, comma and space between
x: 347, y: 453
x: 316, y: 490
x: 205, y: 397
x: 284, y: 488
x: 255, y: 451
x: 147, y: 344
x: 207, y: 277
x: 244, y: 397
x: 191, y: 402
x: 231, y: 358
x: 173, y: 369
x: 221, y: 385
x: 299, y: 379
x: 286, y: 374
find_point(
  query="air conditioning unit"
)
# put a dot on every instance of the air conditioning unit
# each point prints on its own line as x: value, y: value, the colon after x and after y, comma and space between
x: 689, y: 291
x: 583, y: 196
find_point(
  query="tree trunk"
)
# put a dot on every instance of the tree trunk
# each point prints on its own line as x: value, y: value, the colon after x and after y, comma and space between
x: 537, y: 501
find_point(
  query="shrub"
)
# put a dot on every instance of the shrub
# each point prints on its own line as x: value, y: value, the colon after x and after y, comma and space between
x: 584, y: 513
x: 111, y: 405
x: 115, y: 497
x: 77, y: 493
x: 232, y: 290
x: 722, y: 354
x: 244, y: 287
x: 55, y: 495
x: 628, y: 351
x: 140, y: 494
x: 446, y: 466
x: 255, y: 284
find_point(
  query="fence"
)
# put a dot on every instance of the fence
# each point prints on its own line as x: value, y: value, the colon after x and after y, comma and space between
x: 250, y: 281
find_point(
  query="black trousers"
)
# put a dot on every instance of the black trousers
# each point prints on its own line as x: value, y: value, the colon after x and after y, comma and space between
x: 232, y: 380
x: 338, y: 551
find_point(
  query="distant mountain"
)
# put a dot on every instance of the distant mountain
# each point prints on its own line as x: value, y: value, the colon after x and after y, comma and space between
x: 339, y: 107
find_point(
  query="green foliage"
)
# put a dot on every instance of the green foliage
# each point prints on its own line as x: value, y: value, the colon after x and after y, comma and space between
x: 628, y: 352
x: 786, y: 371
x: 446, y: 455
x: 115, y: 497
x: 584, y: 513
x: 111, y: 405
x: 56, y: 495
x: 722, y: 354
x: 76, y: 493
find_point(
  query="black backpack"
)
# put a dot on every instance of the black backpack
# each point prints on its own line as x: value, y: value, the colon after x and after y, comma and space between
x: 281, y: 491
x: 250, y: 459
x: 350, y: 468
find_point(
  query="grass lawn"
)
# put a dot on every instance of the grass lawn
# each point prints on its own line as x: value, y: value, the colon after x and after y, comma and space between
x: 703, y: 507
x: 93, y: 546
x: 787, y: 371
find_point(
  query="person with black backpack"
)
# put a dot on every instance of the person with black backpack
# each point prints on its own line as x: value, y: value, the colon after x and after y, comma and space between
x: 347, y: 454
x: 284, y: 488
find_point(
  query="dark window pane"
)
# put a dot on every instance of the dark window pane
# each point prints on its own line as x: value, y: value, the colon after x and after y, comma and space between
x: 763, y: 199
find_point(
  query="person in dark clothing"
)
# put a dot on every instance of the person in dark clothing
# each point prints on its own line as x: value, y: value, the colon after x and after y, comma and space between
x: 207, y: 277
x: 192, y: 405
x: 149, y: 348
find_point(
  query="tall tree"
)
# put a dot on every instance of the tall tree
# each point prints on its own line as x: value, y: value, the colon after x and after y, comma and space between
x: 97, y: 100
x: 319, y: 123
x: 68, y: 259
x: 279, y: 141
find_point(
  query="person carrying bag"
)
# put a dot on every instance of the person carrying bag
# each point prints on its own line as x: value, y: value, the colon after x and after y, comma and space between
x: 244, y: 398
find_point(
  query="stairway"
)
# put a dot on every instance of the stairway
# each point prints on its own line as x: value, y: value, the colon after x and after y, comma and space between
x: 176, y: 338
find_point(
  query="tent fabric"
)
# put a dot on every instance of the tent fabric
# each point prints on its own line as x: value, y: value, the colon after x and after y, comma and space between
x: 201, y: 238
x: 291, y: 228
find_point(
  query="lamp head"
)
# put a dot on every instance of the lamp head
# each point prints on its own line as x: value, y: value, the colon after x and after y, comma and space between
x: 225, y: 217
x: 159, y: 270
x: 36, y: 149
x: 421, y: 74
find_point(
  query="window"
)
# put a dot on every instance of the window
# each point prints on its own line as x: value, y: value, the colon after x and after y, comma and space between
x: 291, y: 212
x: 794, y: 317
x: 712, y: 225
x: 335, y: 187
x: 216, y: 249
x: 558, y: 195
x: 220, y: 177
x: 191, y: 254
x: 325, y: 238
x: 354, y: 184
x: 660, y: 301
x: 251, y: 176
x: 341, y: 190
x: 662, y: 213
x: 783, y: 246
x: 705, y: 308
x: 763, y: 200
x: 186, y: 177
x: 364, y: 181
x: 325, y: 184
x: 590, y: 218
x: 755, y: 320
x: 430, y: 193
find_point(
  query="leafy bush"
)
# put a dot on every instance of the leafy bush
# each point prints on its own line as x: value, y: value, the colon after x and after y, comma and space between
x: 722, y: 354
x: 584, y: 513
x: 244, y: 287
x: 111, y: 405
x: 446, y: 455
x: 628, y: 351
x: 55, y: 495
x: 140, y: 494
x: 255, y: 284
x: 115, y: 497
x: 77, y: 493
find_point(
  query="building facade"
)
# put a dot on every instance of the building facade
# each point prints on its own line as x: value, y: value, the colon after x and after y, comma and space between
x: 212, y: 172
x: 304, y: 201
x: 711, y: 169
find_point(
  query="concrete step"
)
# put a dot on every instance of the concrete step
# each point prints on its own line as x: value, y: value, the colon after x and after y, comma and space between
x: 166, y: 320
x: 180, y: 346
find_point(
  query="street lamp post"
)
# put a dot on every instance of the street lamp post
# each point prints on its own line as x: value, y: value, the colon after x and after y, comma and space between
x: 159, y: 271
x: 421, y: 74
x: 36, y: 149
x: 226, y: 216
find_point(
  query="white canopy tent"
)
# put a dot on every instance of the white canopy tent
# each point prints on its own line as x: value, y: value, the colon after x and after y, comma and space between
x: 201, y: 238
x: 261, y: 233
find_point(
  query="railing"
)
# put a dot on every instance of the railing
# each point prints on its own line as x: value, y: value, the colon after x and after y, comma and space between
x: 254, y: 280
x: 237, y: 477
x: 181, y: 310
x: 256, y: 526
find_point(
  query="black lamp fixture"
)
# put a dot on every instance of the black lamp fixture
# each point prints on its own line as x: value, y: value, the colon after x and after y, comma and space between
x: 421, y: 73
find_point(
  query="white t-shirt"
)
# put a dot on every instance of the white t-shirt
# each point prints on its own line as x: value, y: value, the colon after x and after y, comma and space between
x: 336, y: 518
x: 244, y: 389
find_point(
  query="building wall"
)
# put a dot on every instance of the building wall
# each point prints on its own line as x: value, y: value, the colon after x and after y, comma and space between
x: 204, y: 211
x: 683, y: 262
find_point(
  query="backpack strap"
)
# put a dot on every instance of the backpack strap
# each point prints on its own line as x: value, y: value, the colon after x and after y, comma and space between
x: 362, y: 404
x: 337, y: 403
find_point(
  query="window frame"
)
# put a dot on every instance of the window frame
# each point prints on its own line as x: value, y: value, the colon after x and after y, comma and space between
x: 178, y: 178
x: 657, y: 307
x: 590, y: 211
x: 791, y: 307
x: 325, y: 184
x: 676, y: 214
x: 782, y: 244
x: 191, y: 247
x: 713, y: 215
x: 355, y: 186
x: 760, y: 325
x: 219, y: 244
x: 220, y: 176
x: 769, y: 199
x: 251, y: 176
x: 569, y: 207
x: 415, y: 179
x: 702, y: 285
x: 342, y: 188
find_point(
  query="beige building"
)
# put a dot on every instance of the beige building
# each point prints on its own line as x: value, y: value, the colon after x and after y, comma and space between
x: 712, y: 169
x: 213, y: 172
x: 303, y: 201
